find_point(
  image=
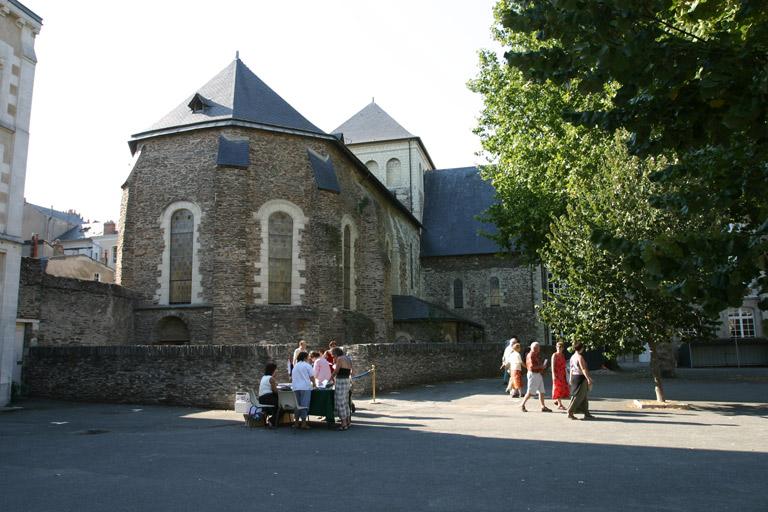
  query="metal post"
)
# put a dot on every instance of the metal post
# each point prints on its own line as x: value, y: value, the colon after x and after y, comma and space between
x: 373, y: 382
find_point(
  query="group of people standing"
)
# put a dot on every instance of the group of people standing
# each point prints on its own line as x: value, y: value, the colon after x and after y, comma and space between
x: 577, y: 387
x: 309, y: 370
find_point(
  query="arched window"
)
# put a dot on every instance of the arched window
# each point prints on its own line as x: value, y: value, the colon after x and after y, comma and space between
x: 741, y: 323
x: 279, y: 272
x: 410, y: 264
x: 172, y: 330
x: 180, y: 272
x: 458, y: 294
x: 495, y: 292
x: 373, y: 166
x: 393, y: 172
x: 280, y: 257
x: 347, y: 278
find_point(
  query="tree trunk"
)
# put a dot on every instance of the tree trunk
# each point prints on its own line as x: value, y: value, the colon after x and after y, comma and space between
x: 656, y: 372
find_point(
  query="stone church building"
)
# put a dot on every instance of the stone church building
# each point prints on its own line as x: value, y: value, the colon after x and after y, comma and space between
x: 243, y: 222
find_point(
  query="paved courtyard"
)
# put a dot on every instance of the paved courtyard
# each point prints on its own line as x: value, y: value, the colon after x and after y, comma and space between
x: 454, y: 446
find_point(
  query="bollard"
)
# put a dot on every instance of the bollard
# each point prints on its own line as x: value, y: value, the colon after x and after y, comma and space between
x: 373, y: 383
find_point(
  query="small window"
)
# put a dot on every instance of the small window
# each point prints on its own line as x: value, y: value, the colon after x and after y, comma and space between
x: 114, y: 254
x: 97, y: 277
x: 553, y: 285
x: 495, y: 292
x: 741, y: 323
x: 458, y: 294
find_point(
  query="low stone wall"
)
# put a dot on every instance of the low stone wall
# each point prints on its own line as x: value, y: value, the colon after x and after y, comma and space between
x: 209, y: 376
x: 72, y: 311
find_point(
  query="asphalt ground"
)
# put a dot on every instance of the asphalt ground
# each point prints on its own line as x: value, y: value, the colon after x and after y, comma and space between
x: 460, y: 446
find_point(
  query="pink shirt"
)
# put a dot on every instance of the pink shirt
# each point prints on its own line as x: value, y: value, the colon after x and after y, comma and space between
x: 322, y: 370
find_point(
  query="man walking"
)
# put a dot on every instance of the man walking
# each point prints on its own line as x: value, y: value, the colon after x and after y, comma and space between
x: 535, y: 378
x: 505, y: 362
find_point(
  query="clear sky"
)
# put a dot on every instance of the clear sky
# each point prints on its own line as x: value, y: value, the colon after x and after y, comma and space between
x: 109, y: 69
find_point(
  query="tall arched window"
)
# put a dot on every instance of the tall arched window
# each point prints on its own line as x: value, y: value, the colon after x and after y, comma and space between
x: 393, y: 172
x: 495, y: 292
x: 180, y: 284
x: 458, y: 294
x: 347, y: 267
x: 280, y: 257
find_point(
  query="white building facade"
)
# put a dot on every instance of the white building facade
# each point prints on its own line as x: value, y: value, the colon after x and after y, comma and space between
x: 18, y: 28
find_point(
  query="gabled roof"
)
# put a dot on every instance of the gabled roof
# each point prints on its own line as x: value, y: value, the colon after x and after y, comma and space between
x: 452, y: 200
x: 372, y: 124
x: 407, y: 308
x: 237, y: 94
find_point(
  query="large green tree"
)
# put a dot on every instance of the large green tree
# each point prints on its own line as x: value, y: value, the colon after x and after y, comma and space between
x: 562, y: 186
x: 600, y: 298
x: 688, y: 81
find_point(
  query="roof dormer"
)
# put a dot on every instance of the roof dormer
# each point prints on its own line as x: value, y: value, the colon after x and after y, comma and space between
x: 198, y: 104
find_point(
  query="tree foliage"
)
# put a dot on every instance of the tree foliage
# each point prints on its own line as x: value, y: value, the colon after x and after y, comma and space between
x: 688, y: 81
x: 565, y: 187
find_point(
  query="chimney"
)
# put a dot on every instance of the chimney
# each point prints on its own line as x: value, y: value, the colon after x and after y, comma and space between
x: 109, y: 228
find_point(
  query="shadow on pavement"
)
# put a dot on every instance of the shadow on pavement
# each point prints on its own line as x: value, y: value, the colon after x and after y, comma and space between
x: 370, y: 467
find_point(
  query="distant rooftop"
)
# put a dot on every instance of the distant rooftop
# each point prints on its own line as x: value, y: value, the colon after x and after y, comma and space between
x: 70, y: 216
x: 453, y: 198
x: 235, y: 94
x: 372, y: 124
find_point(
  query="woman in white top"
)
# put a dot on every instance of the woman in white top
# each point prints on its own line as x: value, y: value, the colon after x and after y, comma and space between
x: 268, y: 392
x: 302, y: 382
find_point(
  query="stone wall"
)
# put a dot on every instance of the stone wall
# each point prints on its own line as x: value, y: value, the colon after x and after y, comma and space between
x: 74, y: 312
x: 209, y: 376
x: 182, y: 168
x: 520, y: 287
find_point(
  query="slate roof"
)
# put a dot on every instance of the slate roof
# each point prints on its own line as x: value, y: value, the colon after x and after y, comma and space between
x: 324, y: 172
x: 236, y: 93
x: 75, y: 233
x: 406, y: 308
x: 372, y: 124
x: 70, y: 218
x: 233, y: 153
x: 452, y: 200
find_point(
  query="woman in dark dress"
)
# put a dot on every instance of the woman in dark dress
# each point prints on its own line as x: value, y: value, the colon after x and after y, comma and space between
x: 581, y: 383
